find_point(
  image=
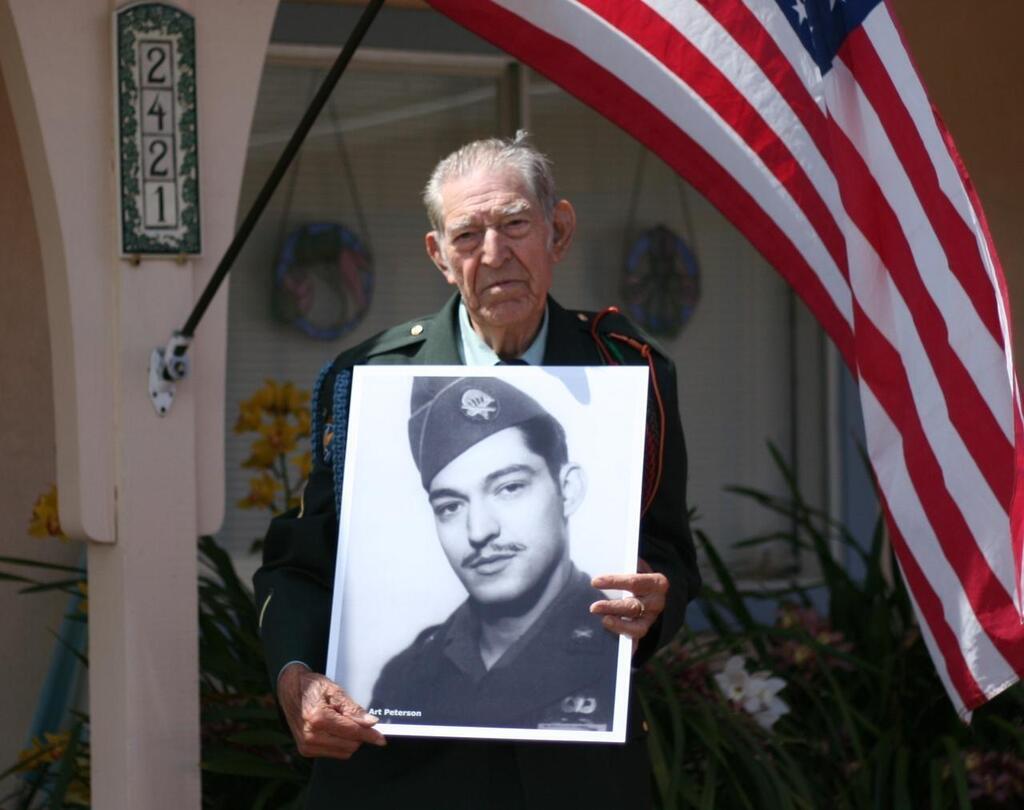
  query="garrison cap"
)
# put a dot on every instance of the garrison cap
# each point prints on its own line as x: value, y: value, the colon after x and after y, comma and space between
x: 448, y: 415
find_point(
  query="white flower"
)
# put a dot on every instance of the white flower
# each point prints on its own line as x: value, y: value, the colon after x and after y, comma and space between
x: 763, y: 701
x: 733, y: 679
x: 767, y: 717
x: 757, y: 693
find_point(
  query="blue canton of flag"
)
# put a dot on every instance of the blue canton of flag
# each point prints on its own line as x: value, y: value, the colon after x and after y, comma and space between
x: 822, y: 25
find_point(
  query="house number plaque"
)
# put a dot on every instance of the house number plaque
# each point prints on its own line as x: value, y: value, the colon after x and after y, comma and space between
x: 156, y: 130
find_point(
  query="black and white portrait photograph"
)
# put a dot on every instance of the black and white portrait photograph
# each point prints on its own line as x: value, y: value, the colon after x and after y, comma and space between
x: 475, y: 511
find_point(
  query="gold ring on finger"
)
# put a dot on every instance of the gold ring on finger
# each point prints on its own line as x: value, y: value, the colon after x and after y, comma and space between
x: 643, y: 609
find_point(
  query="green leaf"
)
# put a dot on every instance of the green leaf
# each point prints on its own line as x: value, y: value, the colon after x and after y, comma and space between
x: 79, y: 656
x: 66, y: 585
x: 241, y: 764
x: 954, y: 756
x: 730, y: 594
x: 901, y: 781
x: 260, y: 736
x: 707, y: 796
x: 266, y: 794
x: 40, y: 564
x: 659, y: 763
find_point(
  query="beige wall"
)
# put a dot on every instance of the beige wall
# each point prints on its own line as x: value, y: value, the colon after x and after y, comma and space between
x: 27, y: 448
x: 970, y: 57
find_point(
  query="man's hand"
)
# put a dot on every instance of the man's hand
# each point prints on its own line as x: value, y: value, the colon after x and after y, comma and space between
x: 634, y: 615
x: 323, y: 719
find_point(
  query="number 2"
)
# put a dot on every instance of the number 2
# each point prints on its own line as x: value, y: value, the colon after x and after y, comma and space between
x: 157, y: 56
x: 158, y: 149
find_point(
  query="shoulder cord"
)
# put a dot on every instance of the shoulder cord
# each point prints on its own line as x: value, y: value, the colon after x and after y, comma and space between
x: 317, y: 425
x: 328, y: 435
x: 654, y: 457
x: 342, y: 392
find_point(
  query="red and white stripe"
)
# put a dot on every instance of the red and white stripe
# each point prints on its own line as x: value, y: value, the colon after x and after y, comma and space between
x: 852, y: 189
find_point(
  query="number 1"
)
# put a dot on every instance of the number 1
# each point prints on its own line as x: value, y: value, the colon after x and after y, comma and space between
x: 161, y: 216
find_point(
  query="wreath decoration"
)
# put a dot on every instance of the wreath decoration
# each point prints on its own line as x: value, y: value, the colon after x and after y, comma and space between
x: 661, y: 283
x: 323, y: 280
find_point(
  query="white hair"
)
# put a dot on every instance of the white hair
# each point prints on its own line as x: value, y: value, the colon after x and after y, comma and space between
x: 493, y: 153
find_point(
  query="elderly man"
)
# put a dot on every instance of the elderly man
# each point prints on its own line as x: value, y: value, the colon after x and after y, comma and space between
x: 498, y: 231
x: 523, y: 651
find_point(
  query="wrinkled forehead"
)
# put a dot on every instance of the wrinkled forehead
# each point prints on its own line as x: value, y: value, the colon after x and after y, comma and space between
x: 485, y: 192
x: 494, y: 214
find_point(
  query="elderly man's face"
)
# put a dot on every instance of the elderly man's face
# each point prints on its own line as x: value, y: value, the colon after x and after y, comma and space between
x: 497, y: 247
x: 501, y: 517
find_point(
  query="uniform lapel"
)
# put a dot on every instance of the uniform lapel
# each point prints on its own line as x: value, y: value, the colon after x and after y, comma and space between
x: 441, y: 348
x: 569, y: 340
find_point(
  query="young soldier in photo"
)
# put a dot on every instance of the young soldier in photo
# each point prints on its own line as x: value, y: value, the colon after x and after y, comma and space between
x: 498, y: 230
x: 523, y: 651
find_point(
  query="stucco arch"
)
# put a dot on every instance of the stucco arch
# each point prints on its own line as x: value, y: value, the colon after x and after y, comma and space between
x: 139, y: 487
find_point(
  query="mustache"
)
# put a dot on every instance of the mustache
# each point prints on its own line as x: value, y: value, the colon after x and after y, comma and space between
x: 490, y: 551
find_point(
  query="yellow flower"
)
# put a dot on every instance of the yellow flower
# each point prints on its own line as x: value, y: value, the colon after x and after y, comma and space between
x: 280, y: 399
x: 280, y: 434
x: 291, y: 400
x: 304, y: 464
x: 45, y: 520
x: 265, y: 396
x: 262, y: 456
x: 250, y: 417
x: 43, y: 752
x: 262, y: 490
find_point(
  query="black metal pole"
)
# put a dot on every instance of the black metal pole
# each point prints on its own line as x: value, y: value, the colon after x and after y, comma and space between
x: 283, y: 162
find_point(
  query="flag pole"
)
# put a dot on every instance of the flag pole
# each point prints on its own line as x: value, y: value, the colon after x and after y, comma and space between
x: 169, y: 364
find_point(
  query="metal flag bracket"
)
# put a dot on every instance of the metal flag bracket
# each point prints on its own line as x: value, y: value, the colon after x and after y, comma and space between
x: 167, y: 365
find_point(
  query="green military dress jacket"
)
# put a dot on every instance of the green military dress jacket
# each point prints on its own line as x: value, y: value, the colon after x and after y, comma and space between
x: 293, y: 592
x: 559, y: 675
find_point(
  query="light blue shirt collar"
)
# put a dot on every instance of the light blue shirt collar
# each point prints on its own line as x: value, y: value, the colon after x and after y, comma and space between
x: 475, y: 352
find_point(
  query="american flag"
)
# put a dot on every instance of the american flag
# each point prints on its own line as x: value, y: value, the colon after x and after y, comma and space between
x: 807, y: 125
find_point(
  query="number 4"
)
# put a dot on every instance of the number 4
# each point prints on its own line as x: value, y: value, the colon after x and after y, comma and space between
x: 156, y: 109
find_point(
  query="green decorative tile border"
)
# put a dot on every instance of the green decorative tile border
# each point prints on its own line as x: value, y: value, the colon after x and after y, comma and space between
x: 157, y: 130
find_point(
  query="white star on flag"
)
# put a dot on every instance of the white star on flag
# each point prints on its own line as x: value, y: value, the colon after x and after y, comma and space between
x: 800, y: 8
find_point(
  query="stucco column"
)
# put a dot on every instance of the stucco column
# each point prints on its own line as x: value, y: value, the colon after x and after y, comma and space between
x: 139, y: 487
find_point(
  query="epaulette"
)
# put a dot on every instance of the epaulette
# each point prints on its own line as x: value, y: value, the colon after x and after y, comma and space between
x: 425, y: 637
x: 333, y: 387
x: 614, y: 332
x: 399, y: 337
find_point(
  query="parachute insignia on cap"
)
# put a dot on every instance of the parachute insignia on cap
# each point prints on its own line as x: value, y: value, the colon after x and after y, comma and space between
x: 479, y: 405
